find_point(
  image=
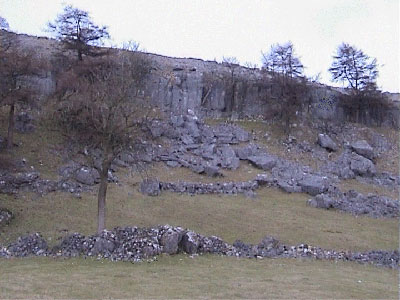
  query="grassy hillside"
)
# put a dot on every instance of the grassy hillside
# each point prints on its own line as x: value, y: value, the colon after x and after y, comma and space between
x: 272, y: 212
x: 203, y: 277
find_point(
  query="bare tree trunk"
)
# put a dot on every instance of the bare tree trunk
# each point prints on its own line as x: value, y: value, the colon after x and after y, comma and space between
x: 10, y: 137
x: 101, y: 198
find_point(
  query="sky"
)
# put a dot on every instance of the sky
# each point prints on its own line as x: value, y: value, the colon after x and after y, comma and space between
x: 212, y: 29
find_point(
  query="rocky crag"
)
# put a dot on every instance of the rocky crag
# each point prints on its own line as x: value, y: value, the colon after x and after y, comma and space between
x: 219, y: 90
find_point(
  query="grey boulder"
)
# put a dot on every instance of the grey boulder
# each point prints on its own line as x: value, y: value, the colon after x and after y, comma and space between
x: 88, y: 176
x: 321, y: 201
x: 170, y: 241
x: 362, y: 166
x: 265, y: 162
x: 212, y: 171
x: 313, y: 184
x: 150, y: 187
x: 363, y: 148
x: 326, y: 142
x: 190, y: 242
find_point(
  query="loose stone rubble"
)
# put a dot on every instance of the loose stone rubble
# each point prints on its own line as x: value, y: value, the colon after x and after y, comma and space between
x: 31, y: 181
x: 357, y: 204
x: 209, y: 188
x: 135, y: 244
x: 325, y: 141
x: 5, y: 216
x: 24, y: 122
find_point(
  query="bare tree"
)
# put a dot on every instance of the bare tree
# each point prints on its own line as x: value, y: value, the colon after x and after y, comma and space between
x: 14, y: 66
x: 354, y: 67
x: 99, y: 106
x: 4, y: 23
x: 282, y: 59
x: 131, y: 45
x: 250, y: 65
x: 76, y: 30
x: 286, y: 69
x: 233, y: 64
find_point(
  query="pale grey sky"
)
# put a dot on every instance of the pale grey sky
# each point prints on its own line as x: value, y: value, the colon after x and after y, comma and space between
x: 211, y: 29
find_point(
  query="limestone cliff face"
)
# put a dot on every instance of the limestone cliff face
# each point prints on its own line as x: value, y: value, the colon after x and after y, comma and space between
x: 216, y: 90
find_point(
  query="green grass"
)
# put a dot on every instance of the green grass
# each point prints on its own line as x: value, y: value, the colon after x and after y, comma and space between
x: 199, y: 277
x: 364, y: 188
x: 285, y: 216
x: 41, y: 149
x: 272, y: 212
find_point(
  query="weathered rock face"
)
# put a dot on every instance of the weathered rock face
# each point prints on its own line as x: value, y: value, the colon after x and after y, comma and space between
x: 179, y: 84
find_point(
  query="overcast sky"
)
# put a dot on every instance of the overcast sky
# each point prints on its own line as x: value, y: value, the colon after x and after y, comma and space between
x: 211, y: 29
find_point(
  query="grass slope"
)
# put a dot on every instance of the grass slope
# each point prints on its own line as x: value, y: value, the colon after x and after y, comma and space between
x: 272, y: 212
x: 199, y: 277
x: 285, y: 216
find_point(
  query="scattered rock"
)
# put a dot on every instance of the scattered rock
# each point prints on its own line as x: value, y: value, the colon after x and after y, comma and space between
x: 24, y: 122
x: 170, y: 240
x: 88, y: 176
x: 246, y: 151
x: 241, y: 134
x: 326, y: 142
x: 358, y: 204
x: 363, y: 148
x: 157, y: 129
x: 32, y: 244
x: 313, y: 185
x: 190, y: 242
x: 5, y: 216
x: 362, y: 166
x: 212, y: 171
x: 150, y: 187
x: 177, y: 121
x: 135, y: 244
x: 264, y: 162
x: 172, y: 163
x: 288, y: 188
x: 321, y: 201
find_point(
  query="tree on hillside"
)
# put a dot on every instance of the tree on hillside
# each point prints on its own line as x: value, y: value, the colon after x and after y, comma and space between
x: 233, y: 64
x: 354, y: 67
x: 100, y: 108
x: 286, y: 68
x: 4, y: 23
x: 76, y: 30
x: 15, y: 65
x: 281, y: 59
